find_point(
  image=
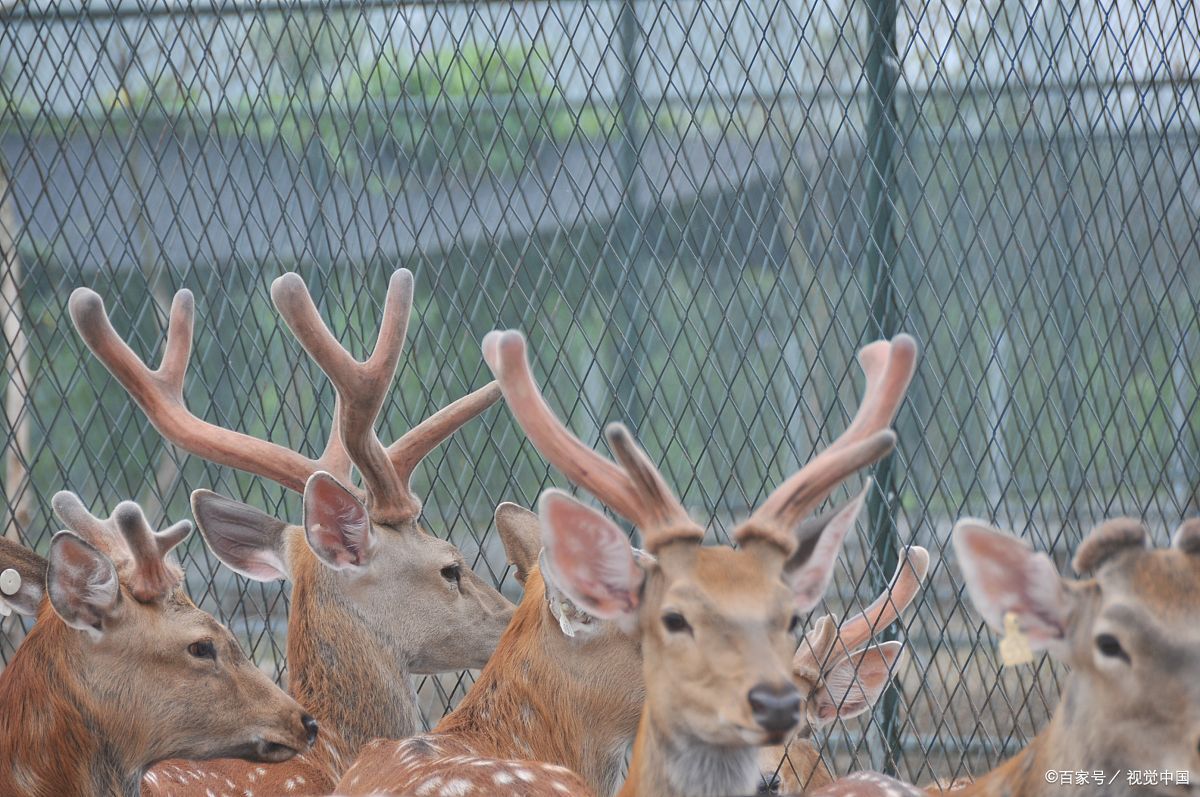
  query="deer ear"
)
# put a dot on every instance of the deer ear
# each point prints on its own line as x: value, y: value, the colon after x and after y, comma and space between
x: 589, y: 557
x: 521, y: 533
x: 808, y: 570
x: 1003, y: 574
x: 245, y: 539
x: 22, y: 579
x: 82, y: 583
x: 854, y: 683
x: 336, y: 523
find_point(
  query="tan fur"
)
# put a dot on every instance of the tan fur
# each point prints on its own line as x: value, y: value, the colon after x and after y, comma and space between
x: 696, y: 684
x: 84, y: 717
x: 1113, y: 717
x: 348, y: 673
x: 354, y: 637
x: 541, y: 697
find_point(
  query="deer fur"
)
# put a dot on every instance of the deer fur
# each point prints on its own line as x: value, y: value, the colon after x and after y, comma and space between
x: 1127, y: 629
x: 108, y: 682
x: 543, y: 696
x: 375, y: 598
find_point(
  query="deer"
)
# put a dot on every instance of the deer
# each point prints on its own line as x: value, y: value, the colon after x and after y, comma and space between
x: 121, y: 669
x: 495, y: 718
x: 1126, y: 628
x: 375, y: 598
x: 840, y: 680
x: 726, y: 700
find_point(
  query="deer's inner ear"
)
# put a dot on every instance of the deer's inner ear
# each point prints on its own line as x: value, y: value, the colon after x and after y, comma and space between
x: 336, y: 524
x: 589, y: 557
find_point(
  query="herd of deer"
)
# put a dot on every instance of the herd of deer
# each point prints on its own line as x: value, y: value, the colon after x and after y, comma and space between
x: 685, y: 653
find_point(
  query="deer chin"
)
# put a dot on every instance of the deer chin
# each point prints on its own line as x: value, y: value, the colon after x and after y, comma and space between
x: 264, y: 751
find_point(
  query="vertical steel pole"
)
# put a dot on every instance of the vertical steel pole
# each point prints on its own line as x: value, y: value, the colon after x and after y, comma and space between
x: 627, y: 232
x: 881, y: 259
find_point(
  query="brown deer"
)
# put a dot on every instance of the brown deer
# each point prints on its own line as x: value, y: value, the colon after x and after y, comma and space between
x: 1131, y: 703
x: 838, y: 680
x: 121, y: 669
x: 375, y: 598
x: 713, y: 623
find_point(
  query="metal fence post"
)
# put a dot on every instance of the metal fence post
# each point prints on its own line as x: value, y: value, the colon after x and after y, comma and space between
x: 627, y: 231
x: 882, y: 252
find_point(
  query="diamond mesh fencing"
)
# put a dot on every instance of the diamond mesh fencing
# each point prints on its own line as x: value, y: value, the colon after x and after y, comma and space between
x: 696, y: 211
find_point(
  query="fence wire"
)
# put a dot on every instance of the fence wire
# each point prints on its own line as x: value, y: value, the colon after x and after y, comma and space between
x: 697, y: 211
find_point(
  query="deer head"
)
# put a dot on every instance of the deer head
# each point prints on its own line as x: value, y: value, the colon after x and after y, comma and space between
x: 1127, y: 630
x: 123, y: 667
x: 362, y: 544
x: 714, y: 622
x: 837, y: 679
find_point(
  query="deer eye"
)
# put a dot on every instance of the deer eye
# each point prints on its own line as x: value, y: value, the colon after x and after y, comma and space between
x: 203, y: 649
x: 794, y: 624
x: 675, y: 622
x: 1108, y: 645
x: 452, y: 573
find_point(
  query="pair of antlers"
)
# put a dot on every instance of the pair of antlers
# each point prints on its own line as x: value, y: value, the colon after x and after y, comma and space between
x: 140, y: 554
x: 633, y: 488
x: 360, y: 387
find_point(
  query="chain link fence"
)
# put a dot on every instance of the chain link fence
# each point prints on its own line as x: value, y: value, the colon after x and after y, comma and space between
x: 697, y: 211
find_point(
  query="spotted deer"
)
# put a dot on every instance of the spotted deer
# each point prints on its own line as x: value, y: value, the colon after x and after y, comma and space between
x: 712, y: 624
x: 1128, y: 631
x: 121, y: 670
x: 375, y: 598
x: 839, y: 680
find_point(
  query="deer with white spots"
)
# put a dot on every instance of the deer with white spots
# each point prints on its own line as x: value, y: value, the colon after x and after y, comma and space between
x: 375, y: 598
x: 713, y: 624
x: 838, y: 680
x: 121, y: 670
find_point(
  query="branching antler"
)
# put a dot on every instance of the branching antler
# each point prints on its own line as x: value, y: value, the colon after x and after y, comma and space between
x: 888, y: 367
x: 633, y: 488
x: 139, y: 552
x: 361, y: 389
x: 826, y: 642
x: 160, y: 395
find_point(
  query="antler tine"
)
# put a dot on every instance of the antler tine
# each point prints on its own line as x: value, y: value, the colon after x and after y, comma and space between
x: 152, y: 574
x: 608, y: 481
x: 407, y: 452
x: 139, y: 552
x: 76, y: 517
x: 888, y: 367
x: 361, y: 386
x: 160, y: 395
x: 665, y: 520
x: 854, y: 632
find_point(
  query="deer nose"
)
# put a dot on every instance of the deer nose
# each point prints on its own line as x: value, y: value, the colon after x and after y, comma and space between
x: 310, y: 726
x: 776, y: 707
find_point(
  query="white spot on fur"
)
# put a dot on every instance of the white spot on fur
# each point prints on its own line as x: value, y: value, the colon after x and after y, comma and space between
x: 456, y: 788
x: 428, y: 787
x: 502, y: 778
x: 525, y: 775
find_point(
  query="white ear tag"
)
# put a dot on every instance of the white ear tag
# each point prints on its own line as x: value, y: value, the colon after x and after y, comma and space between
x: 570, y: 618
x: 10, y: 581
x: 564, y: 622
x: 1014, y: 645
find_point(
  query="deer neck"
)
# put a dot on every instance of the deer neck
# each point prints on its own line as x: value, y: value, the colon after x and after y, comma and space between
x: 1074, y: 741
x: 665, y: 765
x: 53, y: 741
x: 349, y: 676
x: 534, y: 699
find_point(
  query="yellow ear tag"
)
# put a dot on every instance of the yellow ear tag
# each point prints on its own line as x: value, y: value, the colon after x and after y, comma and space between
x: 1014, y: 645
